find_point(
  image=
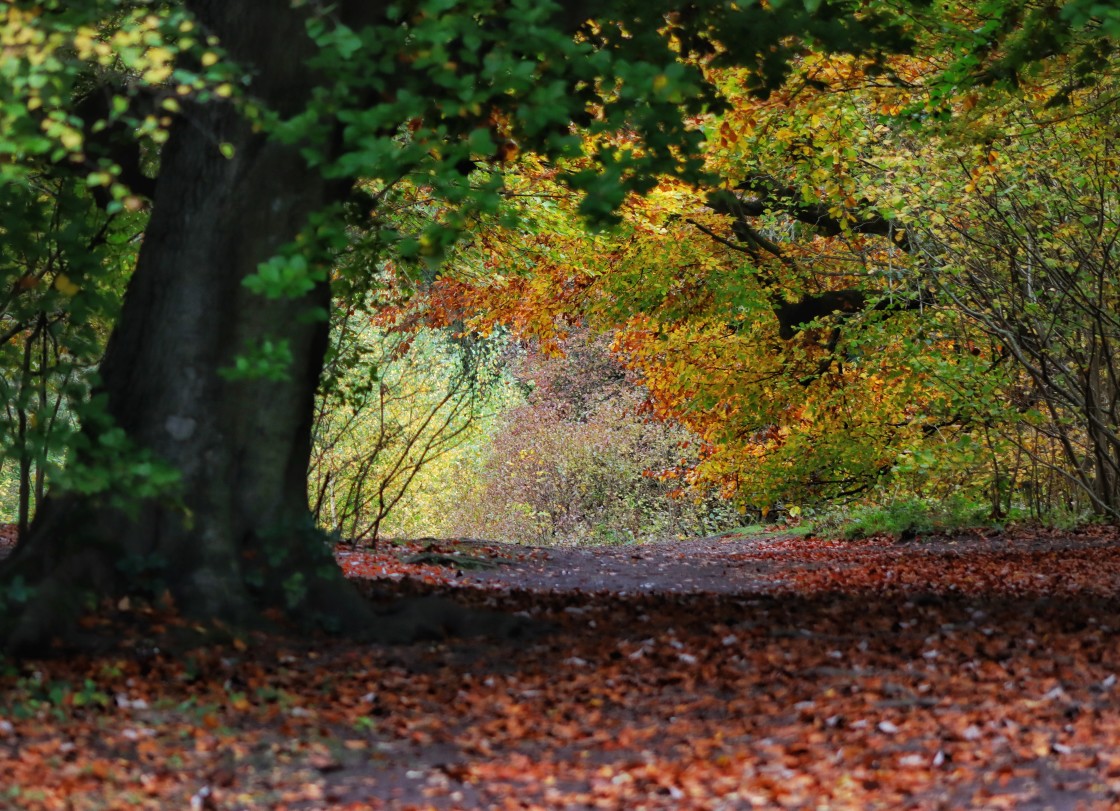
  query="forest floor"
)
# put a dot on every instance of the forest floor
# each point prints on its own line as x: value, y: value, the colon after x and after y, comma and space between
x: 736, y: 672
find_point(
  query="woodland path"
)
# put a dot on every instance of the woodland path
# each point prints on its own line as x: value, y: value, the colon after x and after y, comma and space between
x: 766, y: 562
x: 724, y: 673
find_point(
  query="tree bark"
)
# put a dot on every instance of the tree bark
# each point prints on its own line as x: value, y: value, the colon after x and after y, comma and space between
x: 240, y: 538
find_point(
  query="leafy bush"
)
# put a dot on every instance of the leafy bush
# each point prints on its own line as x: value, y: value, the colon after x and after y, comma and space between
x: 63, y: 264
x: 578, y: 462
x: 906, y: 515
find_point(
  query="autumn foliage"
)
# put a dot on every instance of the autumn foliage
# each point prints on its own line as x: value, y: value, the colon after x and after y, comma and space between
x: 723, y: 260
x: 888, y: 288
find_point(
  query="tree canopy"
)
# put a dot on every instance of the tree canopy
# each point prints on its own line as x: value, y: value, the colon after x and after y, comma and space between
x: 847, y: 303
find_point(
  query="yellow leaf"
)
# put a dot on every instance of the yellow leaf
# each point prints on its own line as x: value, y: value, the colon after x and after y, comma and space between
x: 157, y: 74
x: 159, y: 56
x: 64, y: 286
x: 71, y: 139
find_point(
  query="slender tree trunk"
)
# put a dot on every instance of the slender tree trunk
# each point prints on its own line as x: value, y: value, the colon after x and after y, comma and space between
x: 44, y: 418
x: 24, y: 509
x: 240, y: 538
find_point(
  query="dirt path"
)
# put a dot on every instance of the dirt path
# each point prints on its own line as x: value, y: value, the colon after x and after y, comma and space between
x: 730, y: 565
x: 733, y: 564
x: 973, y: 671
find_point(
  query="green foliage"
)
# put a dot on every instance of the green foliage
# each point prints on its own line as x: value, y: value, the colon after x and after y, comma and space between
x: 461, y: 88
x: 108, y: 466
x: 798, y: 528
x: 1089, y: 14
x: 71, y: 99
x: 905, y: 516
x: 1006, y: 43
x: 35, y: 695
x: 57, y: 55
x: 63, y: 264
x: 1036, y: 270
x: 270, y: 359
x: 295, y: 589
x: 284, y: 277
x: 17, y: 593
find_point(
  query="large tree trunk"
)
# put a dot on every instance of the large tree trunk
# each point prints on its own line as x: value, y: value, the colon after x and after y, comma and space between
x: 240, y: 538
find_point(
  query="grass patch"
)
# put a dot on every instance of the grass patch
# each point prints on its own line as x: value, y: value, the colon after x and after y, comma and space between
x: 905, y: 517
x: 801, y: 529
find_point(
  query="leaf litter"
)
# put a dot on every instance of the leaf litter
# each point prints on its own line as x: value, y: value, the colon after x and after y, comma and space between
x: 973, y: 671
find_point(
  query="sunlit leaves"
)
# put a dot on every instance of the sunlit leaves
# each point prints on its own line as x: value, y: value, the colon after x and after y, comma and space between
x: 459, y: 87
x: 396, y: 406
x: 839, y: 186
x: 53, y: 58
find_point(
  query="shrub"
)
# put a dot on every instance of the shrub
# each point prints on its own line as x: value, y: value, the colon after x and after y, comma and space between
x: 578, y: 463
